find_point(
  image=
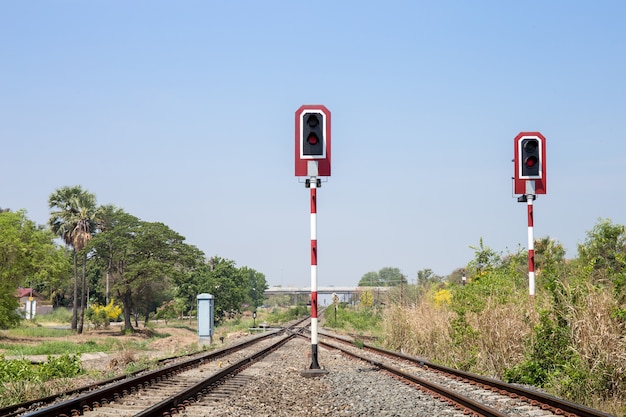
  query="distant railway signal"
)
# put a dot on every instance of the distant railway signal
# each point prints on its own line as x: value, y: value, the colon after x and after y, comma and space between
x: 530, y: 179
x: 530, y: 163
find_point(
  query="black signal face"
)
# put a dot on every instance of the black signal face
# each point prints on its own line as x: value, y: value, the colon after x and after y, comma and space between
x: 530, y: 158
x: 312, y: 120
x: 530, y: 145
x: 312, y: 134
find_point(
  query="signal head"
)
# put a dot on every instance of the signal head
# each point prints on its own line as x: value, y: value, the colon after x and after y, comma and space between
x: 530, y: 158
x: 312, y: 140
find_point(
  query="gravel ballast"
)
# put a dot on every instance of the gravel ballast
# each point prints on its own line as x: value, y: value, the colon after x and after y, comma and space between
x: 350, y: 388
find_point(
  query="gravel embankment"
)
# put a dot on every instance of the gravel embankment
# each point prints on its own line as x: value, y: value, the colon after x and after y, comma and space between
x: 351, y: 388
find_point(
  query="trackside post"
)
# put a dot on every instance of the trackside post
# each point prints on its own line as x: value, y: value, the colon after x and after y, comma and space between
x: 312, y: 160
x: 530, y: 180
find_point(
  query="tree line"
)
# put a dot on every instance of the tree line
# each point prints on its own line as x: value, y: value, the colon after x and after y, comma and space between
x: 110, y: 254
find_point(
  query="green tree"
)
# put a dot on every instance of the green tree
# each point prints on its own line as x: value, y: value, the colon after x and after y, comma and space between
x: 226, y: 282
x: 72, y: 219
x: 427, y: 276
x: 142, y: 258
x: 370, y: 279
x: 391, y: 277
x: 603, y: 255
x: 106, y: 218
x: 386, y: 277
x: 27, y: 255
x: 255, y: 286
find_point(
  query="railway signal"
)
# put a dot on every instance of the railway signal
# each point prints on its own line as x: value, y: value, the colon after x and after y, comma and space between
x: 530, y: 163
x: 312, y: 160
x: 529, y: 180
x: 312, y: 140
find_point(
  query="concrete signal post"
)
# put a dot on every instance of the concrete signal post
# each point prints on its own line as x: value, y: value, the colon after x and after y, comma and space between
x: 530, y: 180
x: 312, y: 160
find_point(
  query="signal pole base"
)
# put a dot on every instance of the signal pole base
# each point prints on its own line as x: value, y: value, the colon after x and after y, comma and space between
x: 314, y: 370
x: 313, y: 373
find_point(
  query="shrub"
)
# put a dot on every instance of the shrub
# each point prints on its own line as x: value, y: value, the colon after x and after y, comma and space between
x: 101, y: 316
x: 63, y: 366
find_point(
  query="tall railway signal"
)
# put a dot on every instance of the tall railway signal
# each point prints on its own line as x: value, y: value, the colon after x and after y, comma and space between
x: 312, y: 160
x: 312, y: 141
x: 529, y: 180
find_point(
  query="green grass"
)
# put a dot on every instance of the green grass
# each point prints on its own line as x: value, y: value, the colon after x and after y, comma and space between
x: 278, y: 316
x: 28, y: 331
x: 60, y: 347
x: 59, y: 315
x: 362, y: 320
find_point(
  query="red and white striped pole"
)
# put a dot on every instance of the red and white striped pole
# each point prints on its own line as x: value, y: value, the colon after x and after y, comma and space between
x: 313, y: 186
x: 531, y: 249
x: 530, y: 196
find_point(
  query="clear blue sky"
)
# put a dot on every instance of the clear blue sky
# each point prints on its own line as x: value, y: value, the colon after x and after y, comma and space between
x: 182, y: 112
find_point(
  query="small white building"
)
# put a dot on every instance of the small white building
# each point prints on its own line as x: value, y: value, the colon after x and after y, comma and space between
x: 30, y: 302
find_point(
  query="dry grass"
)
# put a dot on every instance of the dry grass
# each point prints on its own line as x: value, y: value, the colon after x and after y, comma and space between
x: 425, y: 329
x: 503, y: 331
x: 500, y: 335
x: 599, y: 340
x: 422, y: 329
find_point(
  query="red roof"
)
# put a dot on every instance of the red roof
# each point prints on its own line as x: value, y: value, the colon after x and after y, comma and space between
x: 27, y: 292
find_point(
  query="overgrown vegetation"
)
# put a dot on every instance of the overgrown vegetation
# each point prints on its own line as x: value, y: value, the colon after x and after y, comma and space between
x: 569, y: 340
x: 19, y: 377
x: 284, y: 315
x: 102, y: 315
x: 364, y: 321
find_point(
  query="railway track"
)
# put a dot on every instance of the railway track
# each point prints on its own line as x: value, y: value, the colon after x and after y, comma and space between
x: 467, y: 391
x: 263, y: 377
x: 82, y: 400
x: 132, y: 395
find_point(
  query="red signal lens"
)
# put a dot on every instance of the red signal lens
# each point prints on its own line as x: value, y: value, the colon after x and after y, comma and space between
x: 312, y: 140
x: 531, y: 161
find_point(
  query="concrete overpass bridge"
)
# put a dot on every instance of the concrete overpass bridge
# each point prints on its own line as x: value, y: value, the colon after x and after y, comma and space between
x: 346, y: 292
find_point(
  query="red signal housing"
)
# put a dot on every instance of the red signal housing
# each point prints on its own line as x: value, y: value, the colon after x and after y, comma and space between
x: 529, y: 162
x: 312, y: 141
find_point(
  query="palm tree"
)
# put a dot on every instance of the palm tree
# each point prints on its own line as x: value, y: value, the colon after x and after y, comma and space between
x: 71, y: 218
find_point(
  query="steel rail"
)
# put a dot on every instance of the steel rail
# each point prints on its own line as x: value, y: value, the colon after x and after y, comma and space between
x: 558, y: 405
x: 461, y: 401
x: 89, y: 400
x: 177, y: 403
x: 21, y: 408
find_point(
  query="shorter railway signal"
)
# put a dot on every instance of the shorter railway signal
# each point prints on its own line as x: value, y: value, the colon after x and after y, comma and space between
x: 530, y: 163
x: 530, y: 180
